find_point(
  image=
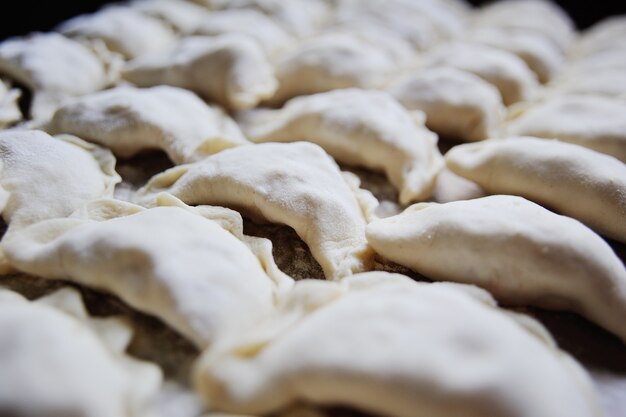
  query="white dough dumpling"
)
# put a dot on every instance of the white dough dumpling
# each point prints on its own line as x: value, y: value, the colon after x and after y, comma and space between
x: 270, y: 36
x: 128, y: 120
x: 183, y: 16
x: 521, y: 252
x: 44, y: 177
x: 384, y: 344
x: 504, y: 70
x: 457, y: 104
x: 296, y: 184
x: 358, y: 127
x: 329, y: 62
x: 231, y: 70
x: 197, y: 276
x: 123, y: 30
x: 54, y: 68
x: 575, y: 181
x: 58, y: 361
x: 10, y: 112
x: 595, y: 122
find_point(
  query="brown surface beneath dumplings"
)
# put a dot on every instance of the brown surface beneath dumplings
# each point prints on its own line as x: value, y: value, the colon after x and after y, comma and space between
x: 600, y: 352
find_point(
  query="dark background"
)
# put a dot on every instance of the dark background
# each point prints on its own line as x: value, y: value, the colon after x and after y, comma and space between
x: 24, y: 16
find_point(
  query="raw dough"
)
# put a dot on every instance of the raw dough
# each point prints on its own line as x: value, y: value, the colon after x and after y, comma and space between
x: 296, y: 184
x: 183, y: 16
x: 230, y: 69
x: 9, y: 110
x: 457, y: 104
x: 358, y: 127
x: 128, y: 120
x: 390, y: 346
x: 519, y: 251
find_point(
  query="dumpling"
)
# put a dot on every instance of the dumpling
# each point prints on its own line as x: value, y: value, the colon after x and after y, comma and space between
x: 606, y: 35
x: 542, y: 57
x: 596, y: 122
x: 296, y: 184
x: 123, y: 30
x: 609, y: 82
x: 384, y: 344
x: 457, y: 104
x: 270, y: 36
x: 54, y: 68
x: 205, y: 283
x: 504, y: 70
x: 299, y: 17
x: 44, y: 177
x: 358, y: 127
x: 519, y: 251
x: 128, y: 120
x: 231, y: 70
x: 58, y: 361
x: 543, y: 17
x: 573, y: 180
x: 183, y: 16
x: 9, y: 109
x: 329, y: 62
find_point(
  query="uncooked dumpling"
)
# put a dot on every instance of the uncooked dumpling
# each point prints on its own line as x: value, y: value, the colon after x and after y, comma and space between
x: 184, y: 16
x: 123, y: 30
x: 542, y: 56
x: 504, y: 70
x: 457, y: 104
x: 205, y: 282
x: 609, y: 82
x: 270, y: 36
x: 519, y: 251
x: 231, y: 70
x: 329, y: 62
x: 606, y: 35
x: 596, y: 122
x: 9, y: 109
x: 358, y: 127
x: 57, y: 361
x: 578, y: 182
x: 390, y: 346
x: 54, y: 68
x: 44, y: 177
x: 296, y: 184
x: 128, y: 120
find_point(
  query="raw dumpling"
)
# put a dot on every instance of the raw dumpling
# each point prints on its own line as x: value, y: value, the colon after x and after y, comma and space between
x: 329, y: 62
x: 54, y: 68
x: 358, y: 127
x: 606, y: 35
x: 519, y: 251
x: 504, y: 70
x: 128, y: 120
x: 205, y: 282
x: 9, y: 109
x: 44, y: 177
x: 231, y: 70
x: 183, y: 16
x: 123, y: 30
x: 542, y: 57
x: 596, y: 122
x: 609, y: 82
x: 296, y: 184
x: 575, y: 181
x: 270, y: 36
x: 57, y: 361
x: 457, y: 104
x: 539, y: 16
x: 384, y: 344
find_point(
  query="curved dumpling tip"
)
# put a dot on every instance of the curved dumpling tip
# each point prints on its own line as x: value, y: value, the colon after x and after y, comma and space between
x: 521, y: 252
x: 205, y: 283
x: 83, y: 355
x: 296, y: 184
x: 44, y: 177
x: 573, y: 180
x: 128, y: 120
x: 229, y: 69
x: 384, y: 344
x: 359, y: 127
